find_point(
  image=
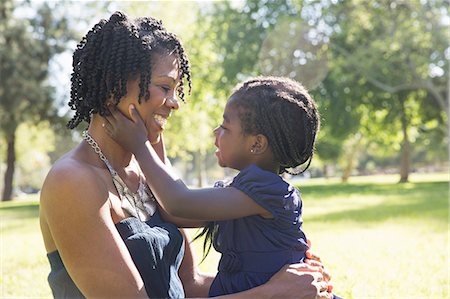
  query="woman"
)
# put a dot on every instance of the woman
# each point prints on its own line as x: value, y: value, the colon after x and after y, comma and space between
x: 103, y: 232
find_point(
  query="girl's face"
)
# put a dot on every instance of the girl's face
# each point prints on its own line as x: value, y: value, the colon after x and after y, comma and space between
x: 157, y: 109
x: 233, y: 146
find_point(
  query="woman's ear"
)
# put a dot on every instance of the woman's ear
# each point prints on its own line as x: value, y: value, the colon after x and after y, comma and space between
x: 260, y: 144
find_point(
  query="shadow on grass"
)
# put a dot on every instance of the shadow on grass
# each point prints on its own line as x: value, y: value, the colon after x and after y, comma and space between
x: 20, y: 211
x: 335, y: 190
x: 408, y: 201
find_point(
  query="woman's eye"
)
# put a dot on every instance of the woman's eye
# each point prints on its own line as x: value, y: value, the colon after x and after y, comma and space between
x: 165, y: 88
x: 222, y: 127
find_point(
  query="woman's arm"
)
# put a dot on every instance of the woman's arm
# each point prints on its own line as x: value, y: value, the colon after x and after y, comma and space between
x: 299, y: 281
x: 173, y: 195
x: 80, y: 223
x: 195, y: 284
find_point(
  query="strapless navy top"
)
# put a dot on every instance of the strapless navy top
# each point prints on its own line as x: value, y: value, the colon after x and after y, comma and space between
x: 157, y: 250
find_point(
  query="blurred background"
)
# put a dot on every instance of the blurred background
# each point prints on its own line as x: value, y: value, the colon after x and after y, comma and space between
x: 377, y: 189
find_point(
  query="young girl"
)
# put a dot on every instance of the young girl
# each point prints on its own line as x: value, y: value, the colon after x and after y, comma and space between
x: 269, y: 128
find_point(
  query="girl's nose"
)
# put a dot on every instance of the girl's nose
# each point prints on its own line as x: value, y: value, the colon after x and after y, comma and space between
x: 215, y: 130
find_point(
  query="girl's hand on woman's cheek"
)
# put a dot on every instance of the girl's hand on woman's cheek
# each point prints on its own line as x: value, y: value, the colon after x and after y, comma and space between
x: 131, y: 134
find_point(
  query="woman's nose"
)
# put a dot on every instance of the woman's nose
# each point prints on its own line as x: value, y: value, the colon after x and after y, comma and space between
x: 215, y: 130
x: 173, y: 103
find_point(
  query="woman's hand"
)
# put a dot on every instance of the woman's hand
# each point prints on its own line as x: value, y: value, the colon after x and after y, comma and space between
x: 301, y: 281
x: 314, y: 260
x: 131, y: 134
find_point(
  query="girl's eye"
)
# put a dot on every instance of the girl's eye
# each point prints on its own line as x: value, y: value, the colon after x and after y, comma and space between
x: 222, y: 127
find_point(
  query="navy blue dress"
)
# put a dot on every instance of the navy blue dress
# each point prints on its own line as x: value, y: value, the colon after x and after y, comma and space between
x: 254, y: 248
x: 157, y: 249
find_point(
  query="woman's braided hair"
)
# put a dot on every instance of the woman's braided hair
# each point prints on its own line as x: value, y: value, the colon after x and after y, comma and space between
x: 113, y: 52
x: 282, y: 110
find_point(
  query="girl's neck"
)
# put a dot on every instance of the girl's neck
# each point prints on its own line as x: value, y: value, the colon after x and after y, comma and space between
x: 272, y: 167
x: 266, y: 161
x: 118, y: 157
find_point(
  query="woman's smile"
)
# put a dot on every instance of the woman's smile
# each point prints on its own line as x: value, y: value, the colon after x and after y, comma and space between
x: 160, y: 120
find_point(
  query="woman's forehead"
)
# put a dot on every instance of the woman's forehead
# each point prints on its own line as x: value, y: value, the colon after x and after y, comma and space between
x: 166, y: 66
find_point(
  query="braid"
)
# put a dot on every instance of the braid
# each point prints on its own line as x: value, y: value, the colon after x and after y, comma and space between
x: 283, y: 111
x: 111, y: 53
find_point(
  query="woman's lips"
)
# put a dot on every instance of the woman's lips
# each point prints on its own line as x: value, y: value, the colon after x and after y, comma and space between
x: 160, y: 120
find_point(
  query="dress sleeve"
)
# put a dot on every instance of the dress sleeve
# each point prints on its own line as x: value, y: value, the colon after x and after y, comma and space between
x: 270, y: 191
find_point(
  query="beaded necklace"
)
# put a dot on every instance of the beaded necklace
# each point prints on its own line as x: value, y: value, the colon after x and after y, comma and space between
x: 141, y: 204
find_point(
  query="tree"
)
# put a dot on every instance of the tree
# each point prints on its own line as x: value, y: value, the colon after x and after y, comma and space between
x: 30, y: 36
x: 240, y: 30
x: 397, y: 49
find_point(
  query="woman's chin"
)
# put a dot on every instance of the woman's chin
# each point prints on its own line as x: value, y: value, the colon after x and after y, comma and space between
x: 154, y: 138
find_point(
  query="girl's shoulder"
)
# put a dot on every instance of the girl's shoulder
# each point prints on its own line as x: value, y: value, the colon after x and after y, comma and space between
x: 256, y: 175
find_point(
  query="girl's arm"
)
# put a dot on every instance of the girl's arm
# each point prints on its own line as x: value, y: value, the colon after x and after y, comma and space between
x: 160, y: 150
x: 178, y: 221
x: 80, y: 224
x: 173, y: 195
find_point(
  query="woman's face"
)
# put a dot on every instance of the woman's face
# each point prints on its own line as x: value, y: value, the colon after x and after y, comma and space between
x: 157, y: 109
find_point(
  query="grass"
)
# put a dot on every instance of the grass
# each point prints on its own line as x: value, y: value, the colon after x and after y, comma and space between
x: 379, y: 239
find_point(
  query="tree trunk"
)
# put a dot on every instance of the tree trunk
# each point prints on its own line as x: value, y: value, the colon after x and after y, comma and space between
x: 448, y: 111
x: 347, y: 170
x: 405, y: 151
x: 10, y: 166
x: 352, y: 156
x: 199, y: 168
x: 325, y: 171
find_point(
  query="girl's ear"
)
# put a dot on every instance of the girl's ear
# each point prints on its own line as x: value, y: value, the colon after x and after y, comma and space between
x: 260, y: 144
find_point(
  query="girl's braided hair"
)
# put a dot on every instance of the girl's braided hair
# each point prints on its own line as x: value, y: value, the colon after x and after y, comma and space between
x: 282, y: 110
x: 113, y: 52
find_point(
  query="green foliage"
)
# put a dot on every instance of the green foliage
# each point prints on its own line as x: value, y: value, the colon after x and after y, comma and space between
x: 31, y: 35
x: 365, y: 63
x: 240, y: 30
x: 34, y: 143
x: 26, y: 46
x: 388, y: 69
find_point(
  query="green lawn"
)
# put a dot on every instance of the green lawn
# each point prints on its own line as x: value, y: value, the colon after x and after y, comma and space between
x: 379, y: 239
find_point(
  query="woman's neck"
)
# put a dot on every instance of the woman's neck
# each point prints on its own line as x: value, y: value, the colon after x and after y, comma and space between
x: 117, y: 156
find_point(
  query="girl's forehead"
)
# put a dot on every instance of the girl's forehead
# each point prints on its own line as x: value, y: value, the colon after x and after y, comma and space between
x: 231, y: 112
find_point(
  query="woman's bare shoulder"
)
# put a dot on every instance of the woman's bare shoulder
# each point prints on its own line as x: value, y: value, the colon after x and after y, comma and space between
x: 72, y: 179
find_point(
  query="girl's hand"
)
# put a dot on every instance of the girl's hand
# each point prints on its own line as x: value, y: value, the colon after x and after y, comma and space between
x: 131, y: 134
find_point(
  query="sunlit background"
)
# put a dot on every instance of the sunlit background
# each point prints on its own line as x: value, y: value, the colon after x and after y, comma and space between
x: 376, y: 194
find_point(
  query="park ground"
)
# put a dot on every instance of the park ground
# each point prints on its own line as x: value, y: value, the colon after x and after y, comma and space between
x: 378, y: 238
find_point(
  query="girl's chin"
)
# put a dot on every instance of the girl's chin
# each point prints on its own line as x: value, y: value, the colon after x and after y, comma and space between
x: 220, y: 162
